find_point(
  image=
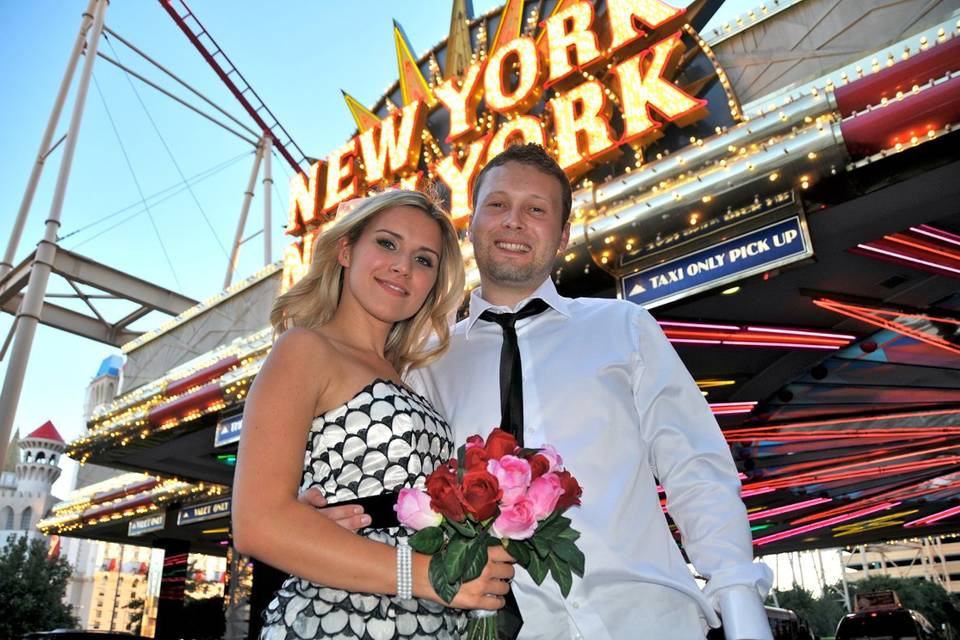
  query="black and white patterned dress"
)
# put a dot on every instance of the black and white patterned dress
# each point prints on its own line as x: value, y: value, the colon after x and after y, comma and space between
x: 383, y: 439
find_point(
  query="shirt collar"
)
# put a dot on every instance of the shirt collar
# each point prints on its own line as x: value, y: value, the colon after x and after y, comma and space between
x: 547, y: 292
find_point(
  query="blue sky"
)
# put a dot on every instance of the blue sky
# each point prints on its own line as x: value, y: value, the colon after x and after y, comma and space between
x: 297, y: 55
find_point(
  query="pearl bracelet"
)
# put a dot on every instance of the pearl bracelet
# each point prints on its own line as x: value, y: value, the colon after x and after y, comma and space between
x: 404, y: 571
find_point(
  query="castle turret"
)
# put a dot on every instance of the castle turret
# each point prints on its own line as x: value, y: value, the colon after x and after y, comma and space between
x: 39, y: 466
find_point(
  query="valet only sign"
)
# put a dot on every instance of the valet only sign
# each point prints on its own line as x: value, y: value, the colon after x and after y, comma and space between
x: 758, y: 251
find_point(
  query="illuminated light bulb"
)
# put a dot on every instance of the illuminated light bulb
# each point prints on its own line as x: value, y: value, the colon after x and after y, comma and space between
x: 931, y: 133
x: 898, y: 146
x: 706, y: 199
x: 342, y: 180
x: 774, y: 176
x: 581, y: 110
x: 497, y: 95
x: 569, y: 257
x: 694, y: 218
x: 609, y: 239
x: 644, y: 88
x: 519, y: 130
x: 460, y: 178
x: 730, y: 291
x: 812, y: 156
x: 461, y: 100
x: 804, y: 184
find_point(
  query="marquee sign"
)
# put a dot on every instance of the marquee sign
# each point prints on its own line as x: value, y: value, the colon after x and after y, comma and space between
x: 202, y: 512
x: 602, y: 85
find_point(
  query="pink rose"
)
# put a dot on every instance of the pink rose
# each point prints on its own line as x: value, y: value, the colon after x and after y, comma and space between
x: 548, y: 452
x: 544, y: 492
x: 513, y: 474
x: 516, y: 521
x: 413, y: 510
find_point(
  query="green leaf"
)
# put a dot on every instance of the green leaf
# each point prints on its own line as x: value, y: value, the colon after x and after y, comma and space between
x: 551, y: 529
x: 455, y: 557
x: 428, y: 541
x: 465, y: 528
x: 561, y: 574
x: 519, y: 551
x: 537, y: 568
x: 569, y: 553
x: 461, y: 458
x: 570, y: 534
x: 475, y: 560
x: 540, y: 545
x: 438, y: 579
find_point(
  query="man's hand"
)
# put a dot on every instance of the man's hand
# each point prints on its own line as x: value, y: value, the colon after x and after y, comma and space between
x: 349, y: 516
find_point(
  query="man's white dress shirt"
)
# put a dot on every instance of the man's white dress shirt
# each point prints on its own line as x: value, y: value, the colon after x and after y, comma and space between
x: 603, y: 385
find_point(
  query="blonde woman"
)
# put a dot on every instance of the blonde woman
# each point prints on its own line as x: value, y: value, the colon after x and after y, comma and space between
x: 328, y: 410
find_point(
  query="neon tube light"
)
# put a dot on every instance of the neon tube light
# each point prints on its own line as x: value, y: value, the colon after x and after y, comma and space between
x: 698, y: 325
x: 939, y: 234
x: 935, y: 517
x: 759, y: 515
x: 774, y: 537
x: 901, y: 256
x: 839, y: 421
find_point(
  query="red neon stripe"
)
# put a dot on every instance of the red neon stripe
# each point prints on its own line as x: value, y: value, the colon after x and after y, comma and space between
x: 824, y: 523
x: 691, y: 341
x: 922, y: 247
x: 801, y: 332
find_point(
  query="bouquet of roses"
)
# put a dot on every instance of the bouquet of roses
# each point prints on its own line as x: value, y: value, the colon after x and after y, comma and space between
x: 495, y: 492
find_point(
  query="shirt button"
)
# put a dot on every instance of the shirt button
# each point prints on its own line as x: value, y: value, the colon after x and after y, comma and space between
x: 576, y: 605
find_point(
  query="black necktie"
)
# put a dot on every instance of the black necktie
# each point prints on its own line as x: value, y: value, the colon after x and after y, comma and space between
x: 511, y: 371
x: 509, y: 621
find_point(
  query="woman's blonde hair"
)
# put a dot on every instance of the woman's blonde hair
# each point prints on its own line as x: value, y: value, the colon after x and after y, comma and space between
x: 312, y: 301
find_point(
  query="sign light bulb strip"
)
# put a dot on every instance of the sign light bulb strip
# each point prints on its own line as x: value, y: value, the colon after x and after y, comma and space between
x: 789, y: 533
x: 900, y: 256
x: 936, y: 517
x: 767, y: 513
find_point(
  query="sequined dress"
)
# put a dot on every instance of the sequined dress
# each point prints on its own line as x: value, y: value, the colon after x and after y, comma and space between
x: 383, y: 439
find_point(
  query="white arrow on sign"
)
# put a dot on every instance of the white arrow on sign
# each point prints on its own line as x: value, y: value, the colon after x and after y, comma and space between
x: 637, y: 288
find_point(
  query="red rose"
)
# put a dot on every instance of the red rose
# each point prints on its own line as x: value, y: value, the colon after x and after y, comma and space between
x: 475, y: 458
x: 539, y: 465
x: 571, y: 490
x: 481, y: 492
x: 445, y: 495
x: 500, y: 443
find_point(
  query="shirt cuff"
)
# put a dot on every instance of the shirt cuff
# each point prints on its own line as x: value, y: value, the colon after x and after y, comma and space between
x: 743, y: 615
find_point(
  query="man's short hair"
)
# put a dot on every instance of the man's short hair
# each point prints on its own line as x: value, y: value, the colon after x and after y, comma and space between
x: 534, y: 155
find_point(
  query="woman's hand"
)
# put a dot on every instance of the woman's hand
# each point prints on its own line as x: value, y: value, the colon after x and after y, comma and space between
x: 349, y: 516
x: 486, y: 591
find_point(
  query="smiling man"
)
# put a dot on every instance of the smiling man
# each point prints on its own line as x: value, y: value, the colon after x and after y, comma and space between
x: 597, y: 379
